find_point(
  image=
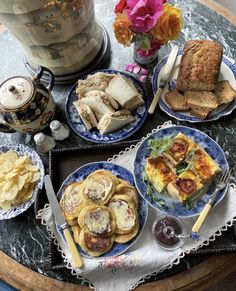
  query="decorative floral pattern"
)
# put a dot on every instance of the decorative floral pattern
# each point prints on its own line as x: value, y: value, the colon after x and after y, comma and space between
x: 124, y: 262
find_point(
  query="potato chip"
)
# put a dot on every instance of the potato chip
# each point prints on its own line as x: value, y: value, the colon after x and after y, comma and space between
x: 18, y: 177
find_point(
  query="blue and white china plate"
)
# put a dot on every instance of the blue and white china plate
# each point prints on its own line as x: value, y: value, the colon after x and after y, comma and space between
x: 227, y: 72
x: 80, y: 174
x: 22, y: 150
x: 94, y: 135
x: 164, y: 202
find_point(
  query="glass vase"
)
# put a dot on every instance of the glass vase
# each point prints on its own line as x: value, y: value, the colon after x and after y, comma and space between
x: 144, y: 58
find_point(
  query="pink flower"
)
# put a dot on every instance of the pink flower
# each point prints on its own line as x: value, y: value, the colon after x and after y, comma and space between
x: 119, y: 8
x: 144, y: 13
x: 154, y: 46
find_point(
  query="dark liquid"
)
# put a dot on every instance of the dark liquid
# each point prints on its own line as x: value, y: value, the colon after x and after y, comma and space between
x: 166, y: 238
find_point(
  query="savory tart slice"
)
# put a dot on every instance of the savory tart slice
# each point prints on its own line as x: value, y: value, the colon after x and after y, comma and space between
x: 159, y: 172
x: 72, y: 202
x: 95, y: 245
x: 180, y: 147
x: 97, y: 220
x: 125, y: 212
x: 204, y: 165
x: 184, y: 186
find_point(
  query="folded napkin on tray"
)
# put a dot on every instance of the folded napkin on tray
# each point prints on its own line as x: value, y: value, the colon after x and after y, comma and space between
x: 144, y: 258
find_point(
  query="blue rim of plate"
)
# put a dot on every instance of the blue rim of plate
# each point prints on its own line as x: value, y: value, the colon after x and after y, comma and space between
x: 21, y: 150
x: 165, y: 203
x: 181, y: 116
x: 79, y: 128
x: 121, y: 172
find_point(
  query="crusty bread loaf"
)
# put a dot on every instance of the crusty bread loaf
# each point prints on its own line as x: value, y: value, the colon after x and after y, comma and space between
x: 224, y: 92
x: 200, y: 66
x: 177, y: 101
x: 204, y: 99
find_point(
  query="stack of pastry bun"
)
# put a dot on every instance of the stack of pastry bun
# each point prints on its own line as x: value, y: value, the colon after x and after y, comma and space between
x: 106, y: 101
x: 101, y: 209
x: 198, y: 90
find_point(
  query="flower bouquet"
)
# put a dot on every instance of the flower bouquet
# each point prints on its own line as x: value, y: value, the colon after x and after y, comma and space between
x: 150, y: 24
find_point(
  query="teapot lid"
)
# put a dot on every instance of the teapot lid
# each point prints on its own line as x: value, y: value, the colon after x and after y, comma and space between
x: 15, y: 92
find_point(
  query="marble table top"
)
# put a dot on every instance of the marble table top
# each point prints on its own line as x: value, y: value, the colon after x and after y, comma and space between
x: 23, y: 238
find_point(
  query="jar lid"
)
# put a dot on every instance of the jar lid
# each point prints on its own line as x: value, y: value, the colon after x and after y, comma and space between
x: 15, y: 92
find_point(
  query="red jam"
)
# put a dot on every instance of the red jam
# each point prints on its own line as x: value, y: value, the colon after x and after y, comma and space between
x: 165, y: 231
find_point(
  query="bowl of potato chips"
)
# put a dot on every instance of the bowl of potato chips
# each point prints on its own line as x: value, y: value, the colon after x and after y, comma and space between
x: 21, y: 177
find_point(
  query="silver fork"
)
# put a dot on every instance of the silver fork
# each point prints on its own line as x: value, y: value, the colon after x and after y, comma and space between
x: 222, y: 183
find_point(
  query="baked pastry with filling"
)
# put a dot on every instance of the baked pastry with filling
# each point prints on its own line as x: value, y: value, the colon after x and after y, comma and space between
x: 95, y: 246
x: 97, y: 220
x: 125, y: 212
x: 72, y: 202
x: 125, y: 188
x: 124, y: 238
x: 99, y: 187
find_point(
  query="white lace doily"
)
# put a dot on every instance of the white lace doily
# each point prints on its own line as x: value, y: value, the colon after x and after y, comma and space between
x: 145, y: 258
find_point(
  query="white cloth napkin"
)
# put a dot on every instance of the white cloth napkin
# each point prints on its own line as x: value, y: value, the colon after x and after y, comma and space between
x: 145, y: 257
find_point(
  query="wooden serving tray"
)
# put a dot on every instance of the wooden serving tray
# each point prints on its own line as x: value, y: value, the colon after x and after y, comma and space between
x: 62, y: 162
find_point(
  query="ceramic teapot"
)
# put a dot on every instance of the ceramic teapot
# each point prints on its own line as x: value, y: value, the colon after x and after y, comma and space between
x: 26, y: 105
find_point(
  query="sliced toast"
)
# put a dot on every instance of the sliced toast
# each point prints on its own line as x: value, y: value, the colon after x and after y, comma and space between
x: 224, y: 92
x: 177, y: 101
x: 204, y: 99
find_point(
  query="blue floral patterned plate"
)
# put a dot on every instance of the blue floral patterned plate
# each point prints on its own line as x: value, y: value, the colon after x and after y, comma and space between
x: 227, y: 72
x: 164, y: 202
x: 94, y: 135
x: 21, y: 150
x: 80, y: 174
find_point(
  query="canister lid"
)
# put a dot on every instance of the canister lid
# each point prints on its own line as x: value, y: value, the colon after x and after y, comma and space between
x: 15, y: 92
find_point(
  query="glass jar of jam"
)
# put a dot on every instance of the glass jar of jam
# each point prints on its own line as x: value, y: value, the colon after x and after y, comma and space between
x: 168, y: 232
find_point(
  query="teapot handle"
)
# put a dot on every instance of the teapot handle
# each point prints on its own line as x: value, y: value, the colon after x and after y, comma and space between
x: 39, y: 74
x: 4, y: 126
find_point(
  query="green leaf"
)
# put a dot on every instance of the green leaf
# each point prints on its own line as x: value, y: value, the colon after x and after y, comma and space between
x: 187, y: 204
x: 159, y: 145
x: 145, y: 43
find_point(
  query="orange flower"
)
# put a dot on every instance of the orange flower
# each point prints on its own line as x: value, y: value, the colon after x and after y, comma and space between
x: 122, y: 29
x: 169, y: 24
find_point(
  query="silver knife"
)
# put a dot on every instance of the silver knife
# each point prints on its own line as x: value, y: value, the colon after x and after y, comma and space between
x: 59, y: 219
x: 164, y: 77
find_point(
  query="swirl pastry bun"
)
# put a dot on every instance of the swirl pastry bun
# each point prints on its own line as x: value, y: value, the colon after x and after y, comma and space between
x: 99, y: 187
x: 124, y: 238
x: 72, y: 202
x: 95, y: 245
x: 97, y: 220
x: 125, y: 212
x: 124, y: 188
